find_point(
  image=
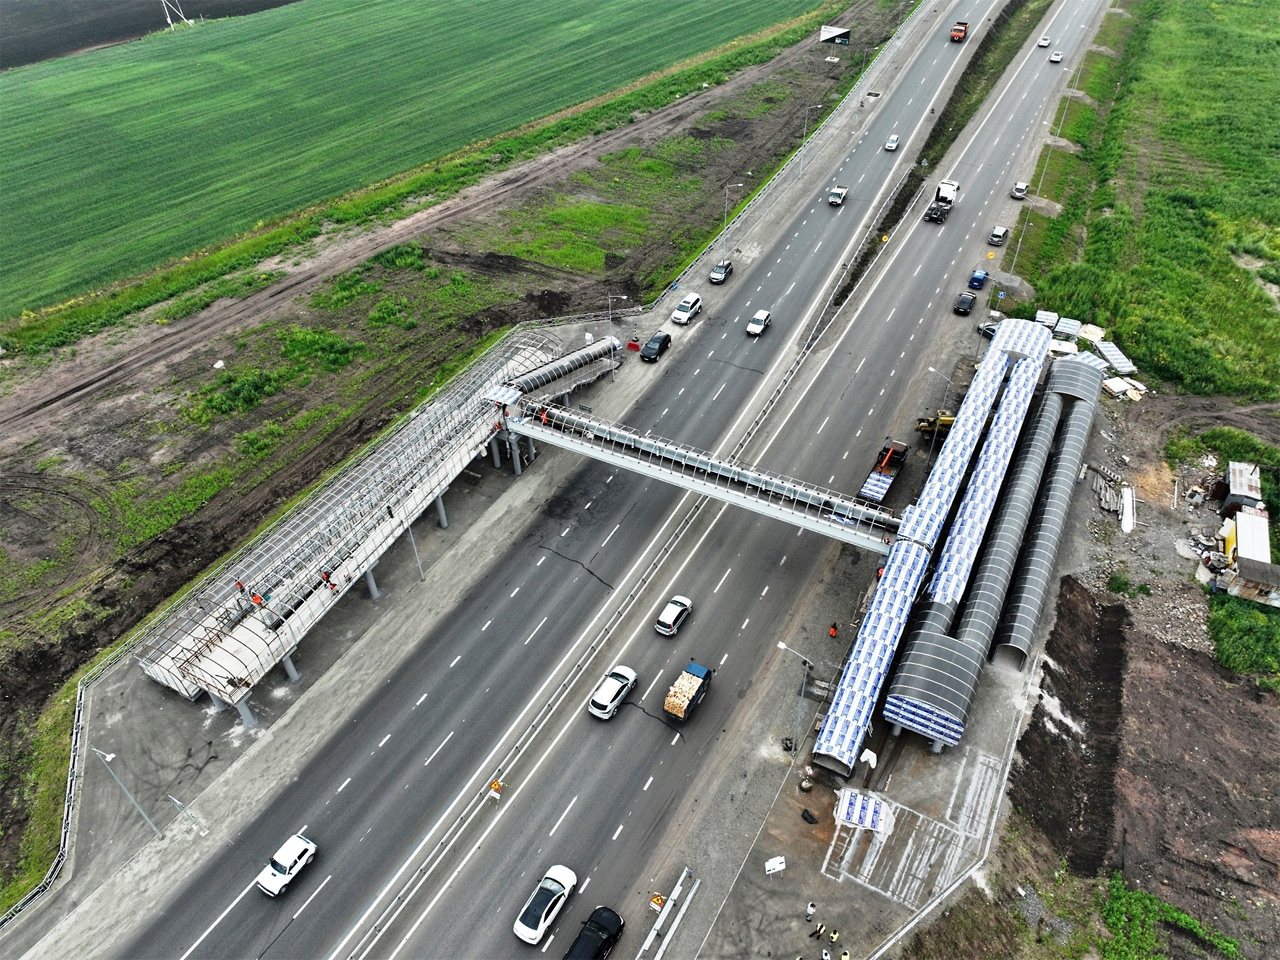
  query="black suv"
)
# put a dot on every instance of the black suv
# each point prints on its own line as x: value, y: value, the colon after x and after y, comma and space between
x: 656, y: 346
x: 600, y: 933
x: 720, y: 272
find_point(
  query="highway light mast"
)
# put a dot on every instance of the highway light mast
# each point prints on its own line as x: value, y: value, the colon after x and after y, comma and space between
x: 167, y: 5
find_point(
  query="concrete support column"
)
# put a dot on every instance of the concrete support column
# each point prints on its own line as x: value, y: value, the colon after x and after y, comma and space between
x: 896, y: 729
x: 246, y: 714
x: 371, y: 584
x: 290, y: 669
x: 532, y: 453
x: 440, y: 514
x: 513, y: 444
x: 218, y: 703
x: 936, y: 746
x: 496, y: 451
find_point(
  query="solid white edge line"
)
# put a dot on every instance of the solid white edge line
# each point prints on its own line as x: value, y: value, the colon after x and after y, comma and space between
x: 312, y: 897
x: 191, y: 949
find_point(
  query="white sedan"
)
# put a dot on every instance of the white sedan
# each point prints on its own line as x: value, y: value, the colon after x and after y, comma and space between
x: 892, y: 143
x: 1055, y: 57
x: 611, y: 691
x: 1044, y: 42
x: 545, y: 903
x: 756, y: 325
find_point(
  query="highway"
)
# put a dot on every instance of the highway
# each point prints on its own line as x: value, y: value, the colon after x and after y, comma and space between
x: 595, y: 795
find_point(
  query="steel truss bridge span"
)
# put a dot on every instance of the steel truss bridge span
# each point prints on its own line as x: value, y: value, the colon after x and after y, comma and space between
x: 771, y: 495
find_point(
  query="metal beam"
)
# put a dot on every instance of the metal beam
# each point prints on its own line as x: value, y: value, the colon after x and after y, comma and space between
x: 802, y: 505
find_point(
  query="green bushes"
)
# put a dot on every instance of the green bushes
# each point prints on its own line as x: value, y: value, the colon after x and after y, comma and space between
x: 241, y: 389
x: 1246, y: 637
x: 1132, y: 917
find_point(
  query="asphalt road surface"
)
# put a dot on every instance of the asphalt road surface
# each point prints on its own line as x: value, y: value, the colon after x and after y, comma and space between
x: 597, y: 795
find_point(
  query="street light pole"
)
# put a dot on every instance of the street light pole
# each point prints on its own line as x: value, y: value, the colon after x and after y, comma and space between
x: 106, y: 759
x: 804, y: 682
x: 938, y: 423
x: 805, y: 139
x: 724, y: 254
x: 612, y: 297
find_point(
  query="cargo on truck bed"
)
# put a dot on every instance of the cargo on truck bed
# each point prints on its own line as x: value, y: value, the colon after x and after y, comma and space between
x: 888, y: 464
x: 837, y: 195
x: 687, y: 692
x: 959, y: 31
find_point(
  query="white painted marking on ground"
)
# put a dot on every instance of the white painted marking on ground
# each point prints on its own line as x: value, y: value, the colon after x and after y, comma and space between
x: 192, y: 948
x: 616, y: 832
x: 610, y: 536
x: 439, y: 748
x: 663, y: 413
x: 860, y: 363
x: 540, y: 559
x: 344, y: 784
x: 722, y: 580
x: 846, y: 455
x: 646, y: 784
x: 515, y: 591
x: 652, y: 685
x: 674, y: 740
x: 824, y: 423
x: 723, y: 659
x: 536, y: 629
x: 548, y: 943
x: 313, y: 896
x: 420, y: 699
x: 455, y: 661
x: 584, y: 884
x: 562, y: 816
x: 717, y: 393
x: 486, y: 626
x: 744, y: 623
x: 831, y: 479
x: 815, y: 249
x: 383, y: 741
x: 764, y: 591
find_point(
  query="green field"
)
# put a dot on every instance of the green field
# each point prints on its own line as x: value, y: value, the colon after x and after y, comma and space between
x: 119, y: 160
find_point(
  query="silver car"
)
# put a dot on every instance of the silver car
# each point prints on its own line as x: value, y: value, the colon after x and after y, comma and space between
x: 672, y: 615
x: 611, y: 691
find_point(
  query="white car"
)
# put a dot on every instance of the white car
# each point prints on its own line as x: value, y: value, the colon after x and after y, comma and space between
x: 672, y: 615
x: 1044, y: 42
x: 756, y: 325
x: 545, y: 903
x: 288, y: 862
x: 1055, y: 57
x: 689, y: 308
x: 611, y: 692
x: 892, y: 143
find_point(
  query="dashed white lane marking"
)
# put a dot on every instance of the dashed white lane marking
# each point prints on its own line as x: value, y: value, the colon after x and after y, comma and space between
x: 383, y: 741
x: 439, y: 748
x: 344, y: 784
x: 564, y: 531
x: 723, y: 659
x: 764, y: 591
x: 646, y: 784
x: 486, y: 626
x: 536, y: 629
x: 846, y: 455
x: 675, y: 739
x: 651, y: 686
x: 860, y: 363
x: 584, y: 884
x: 548, y: 943
x: 744, y: 623
x: 562, y: 816
x: 515, y: 591
x: 455, y: 661
x: 722, y: 580
x: 717, y: 393
x: 420, y: 699
x: 313, y: 896
x: 610, y: 536
x: 616, y: 832
x: 540, y: 559
x: 222, y: 915
x: 824, y: 423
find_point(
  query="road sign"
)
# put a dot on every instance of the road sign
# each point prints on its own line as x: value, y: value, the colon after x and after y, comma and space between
x: 776, y: 865
x: 1000, y: 295
x: 656, y: 901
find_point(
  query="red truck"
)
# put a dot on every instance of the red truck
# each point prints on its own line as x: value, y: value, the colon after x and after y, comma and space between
x: 960, y: 31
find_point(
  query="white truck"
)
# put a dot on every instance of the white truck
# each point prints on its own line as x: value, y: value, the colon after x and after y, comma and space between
x: 943, y: 198
x: 837, y: 195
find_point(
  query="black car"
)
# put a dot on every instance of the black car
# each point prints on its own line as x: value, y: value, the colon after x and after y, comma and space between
x: 656, y: 346
x: 965, y: 302
x: 720, y: 272
x: 599, y: 934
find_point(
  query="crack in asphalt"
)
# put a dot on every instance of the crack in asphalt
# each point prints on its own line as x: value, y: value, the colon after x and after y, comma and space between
x: 739, y: 367
x: 579, y: 563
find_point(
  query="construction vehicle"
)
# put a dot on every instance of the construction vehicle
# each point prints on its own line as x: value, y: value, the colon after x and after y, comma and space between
x: 888, y: 463
x: 837, y: 195
x: 959, y: 31
x: 687, y: 692
x: 940, y: 422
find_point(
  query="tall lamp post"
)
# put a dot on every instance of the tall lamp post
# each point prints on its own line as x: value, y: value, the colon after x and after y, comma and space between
x: 612, y: 297
x: 724, y: 234
x: 805, y: 140
x: 106, y: 759
x: 804, y: 681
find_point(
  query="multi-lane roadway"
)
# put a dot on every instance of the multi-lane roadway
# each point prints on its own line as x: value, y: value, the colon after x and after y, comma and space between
x: 596, y: 795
